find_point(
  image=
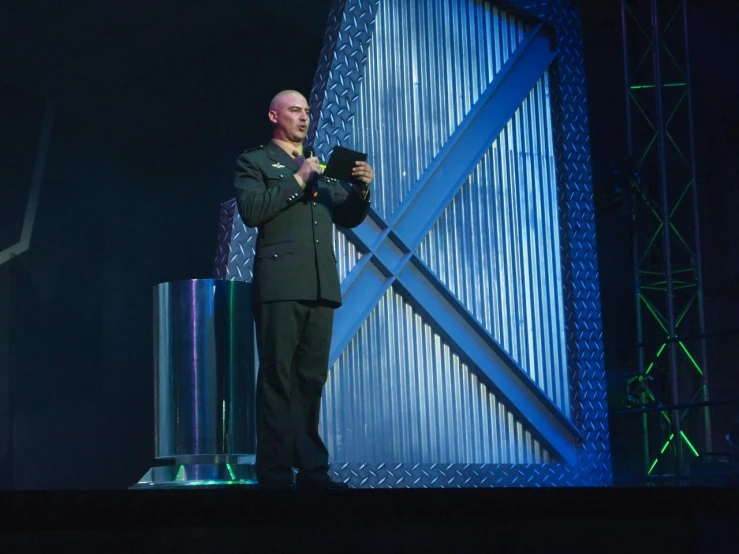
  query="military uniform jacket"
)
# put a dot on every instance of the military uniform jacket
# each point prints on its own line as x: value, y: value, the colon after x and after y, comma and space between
x: 295, y: 258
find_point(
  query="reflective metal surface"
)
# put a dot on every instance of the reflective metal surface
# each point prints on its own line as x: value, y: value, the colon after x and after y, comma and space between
x: 409, y: 398
x: 204, y: 369
x: 454, y: 109
x: 503, y: 226
x: 471, y: 324
x: 198, y: 475
x: 458, y: 107
x: 236, y: 244
x: 428, y: 64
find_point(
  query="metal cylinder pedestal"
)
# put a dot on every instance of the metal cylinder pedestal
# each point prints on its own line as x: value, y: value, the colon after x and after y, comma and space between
x: 204, y: 384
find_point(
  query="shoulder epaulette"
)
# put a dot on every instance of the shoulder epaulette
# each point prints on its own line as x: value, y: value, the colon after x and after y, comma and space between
x: 253, y: 149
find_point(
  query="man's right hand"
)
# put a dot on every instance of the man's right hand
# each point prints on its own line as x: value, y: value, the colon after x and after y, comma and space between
x: 309, y: 170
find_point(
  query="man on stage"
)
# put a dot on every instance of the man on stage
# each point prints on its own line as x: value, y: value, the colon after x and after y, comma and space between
x: 295, y: 289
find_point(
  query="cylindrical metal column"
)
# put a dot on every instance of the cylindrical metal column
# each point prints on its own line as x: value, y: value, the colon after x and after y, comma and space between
x: 204, y: 369
x: 204, y: 383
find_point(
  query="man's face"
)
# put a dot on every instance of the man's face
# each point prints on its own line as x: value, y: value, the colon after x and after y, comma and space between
x: 290, y: 117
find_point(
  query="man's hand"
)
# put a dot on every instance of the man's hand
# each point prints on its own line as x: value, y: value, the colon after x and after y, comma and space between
x: 309, y: 169
x: 362, y: 175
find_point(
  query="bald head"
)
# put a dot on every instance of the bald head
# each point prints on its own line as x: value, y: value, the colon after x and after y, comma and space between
x: 290, y: 117
x: 286, y: 96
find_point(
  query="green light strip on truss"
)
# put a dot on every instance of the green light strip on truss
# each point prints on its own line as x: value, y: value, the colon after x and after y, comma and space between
x: 667, y: 443
x: 653, y: 312
x: 659, y: 353
x: 665, y: 85
x: 692, y: 360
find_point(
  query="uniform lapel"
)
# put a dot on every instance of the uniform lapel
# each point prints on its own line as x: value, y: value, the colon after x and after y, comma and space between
x: 279, y: 156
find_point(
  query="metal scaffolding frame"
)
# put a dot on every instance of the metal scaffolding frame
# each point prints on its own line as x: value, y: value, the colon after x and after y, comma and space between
x: 671, y: 376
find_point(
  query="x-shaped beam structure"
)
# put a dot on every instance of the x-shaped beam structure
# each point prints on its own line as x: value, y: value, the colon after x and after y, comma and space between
x: 391, y: 246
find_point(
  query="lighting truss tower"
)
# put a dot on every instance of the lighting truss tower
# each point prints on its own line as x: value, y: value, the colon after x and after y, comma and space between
x: 671, y: 375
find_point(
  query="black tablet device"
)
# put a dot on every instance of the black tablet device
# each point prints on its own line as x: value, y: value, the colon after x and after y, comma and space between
x: 341, y: 163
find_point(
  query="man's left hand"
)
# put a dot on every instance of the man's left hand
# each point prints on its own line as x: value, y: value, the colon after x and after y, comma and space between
x: 362, y: 174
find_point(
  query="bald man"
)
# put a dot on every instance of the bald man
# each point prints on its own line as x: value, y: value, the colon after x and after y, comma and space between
x: 295, y: 289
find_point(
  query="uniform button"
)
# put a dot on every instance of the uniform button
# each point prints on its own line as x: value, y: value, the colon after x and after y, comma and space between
x: 274, y: 255
x: 314, y: 203
x: 316, y: 241
x: 315, y: 223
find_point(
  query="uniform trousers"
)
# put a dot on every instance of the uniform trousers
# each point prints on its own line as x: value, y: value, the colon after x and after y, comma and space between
x: 293, y: 342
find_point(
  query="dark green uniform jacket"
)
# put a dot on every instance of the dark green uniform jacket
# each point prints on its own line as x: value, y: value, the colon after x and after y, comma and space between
x: 295, y: 257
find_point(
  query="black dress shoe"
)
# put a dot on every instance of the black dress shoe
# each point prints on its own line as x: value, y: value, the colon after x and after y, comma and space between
x: 275, y: 486
x: 319, y: 484
x: 276, y: 481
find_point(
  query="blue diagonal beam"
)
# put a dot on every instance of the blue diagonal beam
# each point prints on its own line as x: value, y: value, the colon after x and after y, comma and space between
x: 491, y: 363
x: 364, y: 286
x: 369, y: 280
x: 369, y: 234
x: 446, y: 174
x: 438, y: 185
x: 362, y: 290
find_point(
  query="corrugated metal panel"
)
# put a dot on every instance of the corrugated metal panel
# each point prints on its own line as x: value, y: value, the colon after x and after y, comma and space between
x: 347, y: 254
x: 428, y: 63
x: 404, y: 396
x: 349, y: 63
x: 497, y: 247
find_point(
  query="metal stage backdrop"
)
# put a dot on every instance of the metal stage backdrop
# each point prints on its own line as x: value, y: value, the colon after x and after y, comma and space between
x: 468, y: 351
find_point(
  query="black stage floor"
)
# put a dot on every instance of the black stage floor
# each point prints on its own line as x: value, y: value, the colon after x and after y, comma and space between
x: 623, y: 520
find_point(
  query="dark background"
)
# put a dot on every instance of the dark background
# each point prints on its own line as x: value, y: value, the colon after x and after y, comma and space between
x: 714, y: 50
x: 153, y: 102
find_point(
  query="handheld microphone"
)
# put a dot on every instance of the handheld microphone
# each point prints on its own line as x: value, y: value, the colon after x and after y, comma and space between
x: 311, y: 189
x: 309, y: 153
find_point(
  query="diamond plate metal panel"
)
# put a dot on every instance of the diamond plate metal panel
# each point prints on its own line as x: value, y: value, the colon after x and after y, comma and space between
x: 223, y: 247
x: 340, y: 70
x: 236, y: 246
x: 390, y: 476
